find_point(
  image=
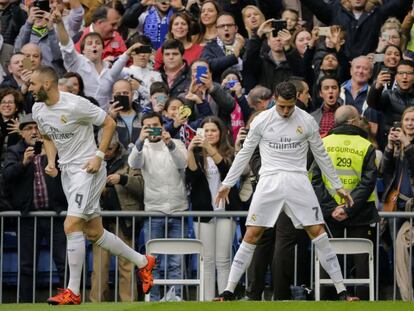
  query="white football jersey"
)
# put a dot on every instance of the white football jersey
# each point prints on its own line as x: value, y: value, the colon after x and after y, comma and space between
x: 69, y: 124
x: 284, y: 145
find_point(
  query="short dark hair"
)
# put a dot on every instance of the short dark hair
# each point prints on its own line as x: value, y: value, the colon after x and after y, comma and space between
x: 18, y: 97
x: 159, y: 87
x: 327, y: 77
x: 298, y: 83
x: 225, y: 14
x: 151, y: 114
x: 101, y: 12
x: 233, y: 71
x: 406, y: 62
x: 138, y: 38
x: 286, y: 90
x: 49, y: 72
x: 173, y: 44
x: 76, y: 75
x: 91, y: 34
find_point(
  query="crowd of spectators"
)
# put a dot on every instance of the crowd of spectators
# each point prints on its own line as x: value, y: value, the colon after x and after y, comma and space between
x: 201, y: 71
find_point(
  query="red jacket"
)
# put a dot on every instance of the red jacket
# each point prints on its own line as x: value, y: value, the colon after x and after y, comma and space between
x: 114, y: 47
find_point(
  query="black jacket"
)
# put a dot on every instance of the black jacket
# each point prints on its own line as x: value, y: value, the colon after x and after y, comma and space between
x: 391, y: 103
x: 363, y: 212
x: 217, y: 59
x: 200, y: 196
x: 362, y: 33
x: 181, y: 83
x: 260, y: 68
x: 19, y: 182
x: 12, y: 19
x: 390, y: 168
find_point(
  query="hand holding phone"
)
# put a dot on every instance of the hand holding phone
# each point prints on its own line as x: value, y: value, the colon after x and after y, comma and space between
x: 123, y: 101
x: 38, y: 147
x: 155, y: 131
x: 200, y: 71
x: 278, y: 25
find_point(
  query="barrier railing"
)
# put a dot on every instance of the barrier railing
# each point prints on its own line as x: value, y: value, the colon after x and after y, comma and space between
x: 6, y: 217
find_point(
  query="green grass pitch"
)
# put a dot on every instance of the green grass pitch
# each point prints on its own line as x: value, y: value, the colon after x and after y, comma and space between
x: 221, y: 306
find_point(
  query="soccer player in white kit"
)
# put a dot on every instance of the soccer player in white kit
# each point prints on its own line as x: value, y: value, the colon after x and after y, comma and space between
x: 66, y: 124
x: 284, y: 134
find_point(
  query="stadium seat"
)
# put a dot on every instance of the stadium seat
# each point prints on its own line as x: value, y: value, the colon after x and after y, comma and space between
x: 179, y: 247
x: 348, y: 246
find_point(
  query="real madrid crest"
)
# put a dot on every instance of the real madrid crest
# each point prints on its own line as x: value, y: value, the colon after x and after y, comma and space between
x: 299, y: 130
x: 64, y: 119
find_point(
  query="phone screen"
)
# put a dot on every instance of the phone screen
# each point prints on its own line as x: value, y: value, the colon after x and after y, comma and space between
x: 200, y: 70
x: 277, y: 26
x: 143, y: 49
x: 43, y: 5
x: 38, y: 147
x: 123, y: 101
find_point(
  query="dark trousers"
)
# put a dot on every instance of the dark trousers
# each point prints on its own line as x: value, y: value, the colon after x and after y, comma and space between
x: 27, y: 230
x: 276, y: 248
x: 283, y: 265
x: 357, y: 265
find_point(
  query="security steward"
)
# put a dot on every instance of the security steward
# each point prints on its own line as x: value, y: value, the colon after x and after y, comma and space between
x: 353, y: 157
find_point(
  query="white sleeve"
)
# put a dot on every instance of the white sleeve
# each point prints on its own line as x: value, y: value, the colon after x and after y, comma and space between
x: 136, y: 158
x: 87, y: 112
x: 72, y: 60
x: 35, y: 114
x: 244, y: 155
x: 321, y: 156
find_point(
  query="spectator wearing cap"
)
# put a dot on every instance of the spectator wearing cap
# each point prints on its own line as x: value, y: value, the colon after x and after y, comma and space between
x: 30, y: 190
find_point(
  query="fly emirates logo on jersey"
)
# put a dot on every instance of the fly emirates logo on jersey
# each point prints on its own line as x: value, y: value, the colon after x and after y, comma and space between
x: 285, y: 143
x: 55, y: 134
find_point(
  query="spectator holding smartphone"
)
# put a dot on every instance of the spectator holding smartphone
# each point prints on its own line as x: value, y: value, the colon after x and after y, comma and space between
x: 39, y: 30
x: 397, y: 169
x: 209, y: 158
x: 126, y: 115
x: 202, y: 85
x: 231, y: 80
x: 177, y: 116
x: 392, y: 102
x: 140, y: 69
x: 31, y: 189
x: 162, y: 161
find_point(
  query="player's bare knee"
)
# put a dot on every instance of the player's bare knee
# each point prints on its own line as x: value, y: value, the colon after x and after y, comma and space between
x: 93, y: 234
x: 314, y: 231
x: 253, y: 234
x: 73, y: 224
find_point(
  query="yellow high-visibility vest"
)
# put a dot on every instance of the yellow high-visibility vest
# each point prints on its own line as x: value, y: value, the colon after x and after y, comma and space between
x: 347, y: 153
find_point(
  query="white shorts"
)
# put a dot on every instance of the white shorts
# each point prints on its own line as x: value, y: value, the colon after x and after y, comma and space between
x: 285, y: 191
x: 83, y: 190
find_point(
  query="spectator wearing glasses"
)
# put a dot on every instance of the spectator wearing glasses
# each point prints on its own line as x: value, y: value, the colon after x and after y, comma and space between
x: 226, y: 50
x: 392, y: 103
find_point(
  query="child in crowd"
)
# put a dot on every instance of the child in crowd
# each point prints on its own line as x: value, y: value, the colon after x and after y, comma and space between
x: 177, y: 117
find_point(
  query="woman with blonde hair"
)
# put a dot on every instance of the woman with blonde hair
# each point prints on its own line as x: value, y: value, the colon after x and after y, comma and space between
x: 252, y: 18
